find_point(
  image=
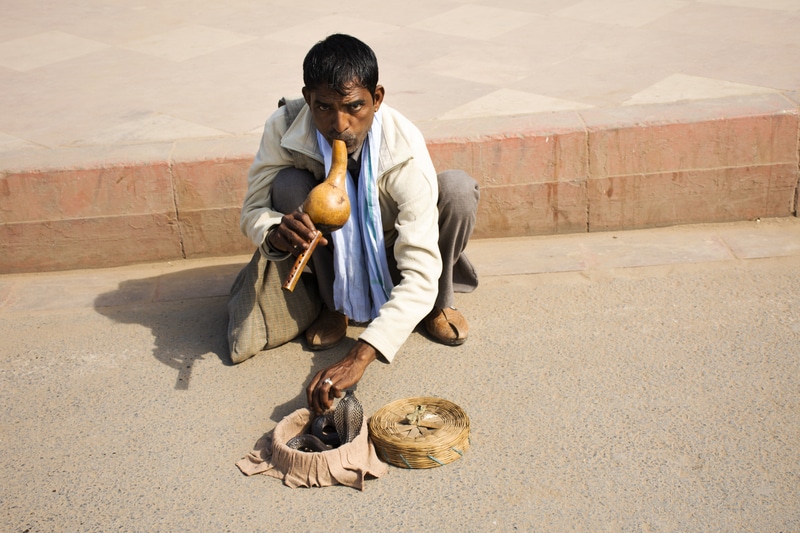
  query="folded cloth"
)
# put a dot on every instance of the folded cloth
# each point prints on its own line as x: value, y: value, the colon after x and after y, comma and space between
x: 349, y: 464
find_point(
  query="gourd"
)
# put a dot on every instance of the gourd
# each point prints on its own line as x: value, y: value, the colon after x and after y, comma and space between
x: 327, y: 204
x: 328, y: 207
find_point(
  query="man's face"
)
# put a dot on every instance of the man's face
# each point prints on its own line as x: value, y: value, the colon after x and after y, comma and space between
x: 347, y: 117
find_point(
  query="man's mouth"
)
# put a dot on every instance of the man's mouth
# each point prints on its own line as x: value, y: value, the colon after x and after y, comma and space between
x: 349, y: 140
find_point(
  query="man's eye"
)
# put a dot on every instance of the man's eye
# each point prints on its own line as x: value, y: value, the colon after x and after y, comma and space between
x: 356, y: 107
x: 323, y: 107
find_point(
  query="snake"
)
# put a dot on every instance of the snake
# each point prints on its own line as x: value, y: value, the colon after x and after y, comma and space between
x: 333, y: 428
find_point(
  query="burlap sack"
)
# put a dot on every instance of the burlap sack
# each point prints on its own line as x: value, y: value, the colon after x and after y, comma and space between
x: 349, y: 464
x: 261, y: 315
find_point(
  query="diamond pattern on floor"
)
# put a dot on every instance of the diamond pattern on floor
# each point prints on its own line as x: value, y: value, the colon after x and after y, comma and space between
x: 187, y: 42
x: 680, y: 87
x: 304, y: 35
x: 151, y: 128
x: 778, y: 5
x: 9, y: 143
x: 507, y: 102
x: 475, y: 22
x: 42, y: 49
x: 77, y: 71
x: 490, y: 73
x: 633, y: 13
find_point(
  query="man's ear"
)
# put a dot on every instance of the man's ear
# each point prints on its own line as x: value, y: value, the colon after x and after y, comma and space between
x: 377, y: 98
x: 307, y: 96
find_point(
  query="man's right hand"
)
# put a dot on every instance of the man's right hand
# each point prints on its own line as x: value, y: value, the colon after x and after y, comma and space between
x: 293, y: 233
x: 331, y: 382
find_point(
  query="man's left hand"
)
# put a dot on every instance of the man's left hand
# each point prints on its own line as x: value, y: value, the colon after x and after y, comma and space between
x: 334, y: 380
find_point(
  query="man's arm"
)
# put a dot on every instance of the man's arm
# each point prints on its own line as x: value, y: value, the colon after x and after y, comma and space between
x: 258, y: 216
x: 334, y: 380
x: 409, y: 195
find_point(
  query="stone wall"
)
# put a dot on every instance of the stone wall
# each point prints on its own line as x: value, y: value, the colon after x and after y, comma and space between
x: 593, y: 170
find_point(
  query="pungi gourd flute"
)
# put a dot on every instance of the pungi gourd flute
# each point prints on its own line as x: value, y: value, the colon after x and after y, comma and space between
x: 328, y: 207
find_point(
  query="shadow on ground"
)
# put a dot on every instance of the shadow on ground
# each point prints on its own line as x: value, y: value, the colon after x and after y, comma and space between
x: 186, y: 312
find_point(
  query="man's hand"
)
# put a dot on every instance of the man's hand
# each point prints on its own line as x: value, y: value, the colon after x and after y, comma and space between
x: 293, y: 233
x: 334, y: 380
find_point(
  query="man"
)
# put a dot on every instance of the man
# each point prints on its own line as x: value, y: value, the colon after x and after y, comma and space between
x: 393, y: 264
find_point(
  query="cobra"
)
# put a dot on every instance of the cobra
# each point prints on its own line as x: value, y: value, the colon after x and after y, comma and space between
x: 332, y: 429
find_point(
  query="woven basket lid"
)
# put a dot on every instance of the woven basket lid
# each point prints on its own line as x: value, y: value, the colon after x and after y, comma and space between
x: 422, y: 432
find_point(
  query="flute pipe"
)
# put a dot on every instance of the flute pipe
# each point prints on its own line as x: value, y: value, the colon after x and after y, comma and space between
x: 300, y: 263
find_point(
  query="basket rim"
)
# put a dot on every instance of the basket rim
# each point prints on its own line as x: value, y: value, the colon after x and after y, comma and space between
x: 441, y: 447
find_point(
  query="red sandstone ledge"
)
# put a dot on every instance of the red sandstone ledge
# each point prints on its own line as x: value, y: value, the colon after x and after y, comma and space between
x: 591, y: 170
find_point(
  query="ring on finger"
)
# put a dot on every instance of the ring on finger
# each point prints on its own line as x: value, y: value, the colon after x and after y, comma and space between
x: 328, y: 382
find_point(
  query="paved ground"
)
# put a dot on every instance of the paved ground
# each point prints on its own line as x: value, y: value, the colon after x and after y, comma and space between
x: 94, y: 79
x: 634, y: 381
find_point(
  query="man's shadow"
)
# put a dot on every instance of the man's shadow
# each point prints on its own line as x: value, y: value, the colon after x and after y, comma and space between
x: 186, y: 311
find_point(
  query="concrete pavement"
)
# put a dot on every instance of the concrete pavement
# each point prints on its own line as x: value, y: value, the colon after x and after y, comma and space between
x: 617, y: 381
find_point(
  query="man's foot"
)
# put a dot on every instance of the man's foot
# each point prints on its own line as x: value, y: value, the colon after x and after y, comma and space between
x: 327, y: 330
x: 447, y: 325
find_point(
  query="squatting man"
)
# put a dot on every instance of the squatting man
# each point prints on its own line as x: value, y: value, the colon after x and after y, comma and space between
x: 397, y: 260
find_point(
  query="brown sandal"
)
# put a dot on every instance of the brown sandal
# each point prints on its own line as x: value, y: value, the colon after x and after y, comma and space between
x: 447, y: 325
x: 327, y: 330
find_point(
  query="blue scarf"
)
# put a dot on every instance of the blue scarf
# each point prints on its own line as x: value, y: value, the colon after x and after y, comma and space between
x: 362, y: 281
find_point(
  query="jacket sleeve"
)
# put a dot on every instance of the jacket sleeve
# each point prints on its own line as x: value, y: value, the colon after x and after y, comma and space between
x: 413, y: 189
x: 258, y: 216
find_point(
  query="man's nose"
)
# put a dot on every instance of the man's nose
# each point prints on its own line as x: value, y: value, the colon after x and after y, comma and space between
x: 341, y: 122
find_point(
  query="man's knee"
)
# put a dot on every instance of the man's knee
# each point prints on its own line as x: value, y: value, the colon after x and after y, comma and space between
x: 290, y: 188
x: 458, y: 191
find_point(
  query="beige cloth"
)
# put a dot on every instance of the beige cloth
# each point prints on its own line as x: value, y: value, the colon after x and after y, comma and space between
x: 349, y: 464
x: 261, y: 315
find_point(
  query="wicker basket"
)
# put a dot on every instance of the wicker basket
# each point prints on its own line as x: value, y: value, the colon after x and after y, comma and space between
x: 422, y: 432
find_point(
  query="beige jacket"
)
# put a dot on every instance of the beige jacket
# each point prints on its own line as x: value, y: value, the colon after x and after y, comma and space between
x: 408, y: 193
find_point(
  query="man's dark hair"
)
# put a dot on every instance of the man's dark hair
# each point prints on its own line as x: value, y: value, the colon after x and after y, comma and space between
x: 337, y: 62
